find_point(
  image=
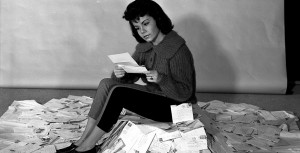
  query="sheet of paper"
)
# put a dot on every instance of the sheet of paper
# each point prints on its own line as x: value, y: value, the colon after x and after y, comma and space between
x: 83, y: 99
x: 267, y: 115
x: 282, y: 114
x: 144, y: 142
x: 116, y: 147
x: 182, y: 112
x: 130, y: 135
x: 31, y: 147
x: 134, y: 69
x: 169, y: 136
x: 199, y: 132
x: 13, y: 147
x: 125, y: 61
x: 54, y: 104
x: 47, y: 149
x: 236, y: 108
x: 190, y: 144
x: 28, y: 104
x: 158, y: 146
x: 123, y: 58
x: 23, y: 130
x: 192, y: 141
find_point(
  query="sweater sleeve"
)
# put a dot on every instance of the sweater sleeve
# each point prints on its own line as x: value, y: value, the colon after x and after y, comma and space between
x: 179, y: 83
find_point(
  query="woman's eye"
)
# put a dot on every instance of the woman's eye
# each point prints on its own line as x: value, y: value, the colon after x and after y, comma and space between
x: 146, y: 23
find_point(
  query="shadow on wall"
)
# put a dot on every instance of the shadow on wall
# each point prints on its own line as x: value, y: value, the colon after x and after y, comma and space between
x: 214, y: 72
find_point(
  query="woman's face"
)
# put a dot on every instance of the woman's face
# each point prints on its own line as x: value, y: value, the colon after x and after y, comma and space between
x: 148, y: 30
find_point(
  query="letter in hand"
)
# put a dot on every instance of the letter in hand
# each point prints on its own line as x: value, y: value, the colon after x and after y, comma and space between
x: 119, y: 71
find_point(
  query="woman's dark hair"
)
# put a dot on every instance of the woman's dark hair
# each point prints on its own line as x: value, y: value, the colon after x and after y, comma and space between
x: 140, y: 8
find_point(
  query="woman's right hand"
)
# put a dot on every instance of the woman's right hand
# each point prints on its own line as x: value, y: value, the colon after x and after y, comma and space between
x: 119, y: 71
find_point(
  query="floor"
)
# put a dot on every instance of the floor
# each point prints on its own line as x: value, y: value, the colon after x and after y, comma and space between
x: 288, y: 102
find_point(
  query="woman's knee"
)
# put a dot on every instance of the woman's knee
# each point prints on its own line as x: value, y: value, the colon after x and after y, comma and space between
x: 117, y: 92
x: 107, y: 83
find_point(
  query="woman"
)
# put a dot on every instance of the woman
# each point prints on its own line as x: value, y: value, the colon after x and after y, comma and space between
x: 170, y: 81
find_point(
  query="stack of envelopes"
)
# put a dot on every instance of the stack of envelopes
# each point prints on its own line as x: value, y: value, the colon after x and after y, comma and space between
x: 28, y: 126
x: 248, y: 128
x: 131, y: 136
x: 217, y: 127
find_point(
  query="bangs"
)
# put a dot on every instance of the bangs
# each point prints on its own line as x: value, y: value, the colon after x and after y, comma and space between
x: 134, y: 15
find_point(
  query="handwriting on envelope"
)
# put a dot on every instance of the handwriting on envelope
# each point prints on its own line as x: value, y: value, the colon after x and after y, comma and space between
x: 182, y: 112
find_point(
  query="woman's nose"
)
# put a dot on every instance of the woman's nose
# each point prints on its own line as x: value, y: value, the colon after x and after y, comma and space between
x: 143, y: 30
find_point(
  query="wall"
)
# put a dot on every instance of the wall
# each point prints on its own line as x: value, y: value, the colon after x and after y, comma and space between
x: 238, y: 45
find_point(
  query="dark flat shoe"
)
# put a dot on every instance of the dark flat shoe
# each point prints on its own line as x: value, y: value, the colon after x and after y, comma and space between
x: 67, y: 149
x: 93, y: 150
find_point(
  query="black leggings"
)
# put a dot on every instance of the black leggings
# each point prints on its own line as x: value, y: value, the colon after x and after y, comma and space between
x: 146, y: 104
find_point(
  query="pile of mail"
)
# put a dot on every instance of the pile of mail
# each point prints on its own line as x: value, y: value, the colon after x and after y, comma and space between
x: 215, y: 126
x: 127, y: 136
x: 133, y: 133
x: 28, y: 126
x: 246, y: 128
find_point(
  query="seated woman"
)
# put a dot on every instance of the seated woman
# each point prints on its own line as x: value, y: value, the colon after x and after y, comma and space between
x: 170, y: 81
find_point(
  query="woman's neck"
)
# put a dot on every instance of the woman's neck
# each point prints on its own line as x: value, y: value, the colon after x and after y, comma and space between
x: 160, y: 36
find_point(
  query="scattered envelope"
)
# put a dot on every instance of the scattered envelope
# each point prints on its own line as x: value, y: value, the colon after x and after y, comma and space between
x: 182, y: 112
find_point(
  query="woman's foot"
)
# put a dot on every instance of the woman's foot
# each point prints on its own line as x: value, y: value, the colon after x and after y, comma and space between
x: 93, y: 150
x: 67, y: 149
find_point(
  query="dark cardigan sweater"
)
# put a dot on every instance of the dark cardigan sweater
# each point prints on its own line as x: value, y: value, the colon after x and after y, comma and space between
x: 173, y: 61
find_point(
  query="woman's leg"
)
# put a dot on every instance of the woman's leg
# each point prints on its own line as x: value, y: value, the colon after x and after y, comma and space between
x: 97, y: 106
x: 149, y: 105
x: 146, y: 104
x: 90, y: 142
x: 100, y: 97
x: 88, y: 129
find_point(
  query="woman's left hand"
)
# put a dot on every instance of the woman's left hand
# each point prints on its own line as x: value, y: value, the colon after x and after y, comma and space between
x: 153, y: 76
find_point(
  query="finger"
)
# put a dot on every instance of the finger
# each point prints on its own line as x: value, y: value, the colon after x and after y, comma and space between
x: 147, y: 72
x: 119, y: 71
x: 120, y: 75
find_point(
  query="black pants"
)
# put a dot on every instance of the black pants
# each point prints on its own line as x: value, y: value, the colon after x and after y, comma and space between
x: 146, y: 104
